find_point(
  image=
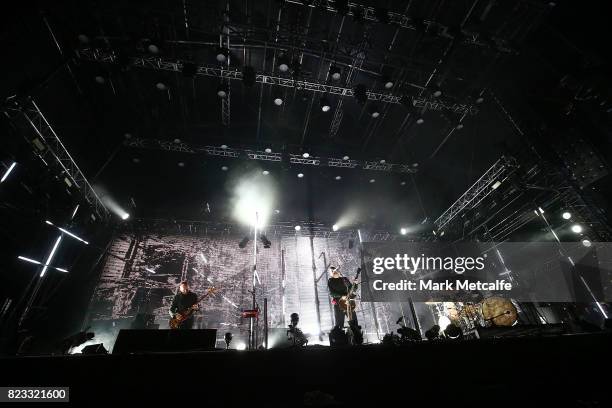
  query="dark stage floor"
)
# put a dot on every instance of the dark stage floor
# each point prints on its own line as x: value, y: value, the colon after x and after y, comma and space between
x: 561, y: 370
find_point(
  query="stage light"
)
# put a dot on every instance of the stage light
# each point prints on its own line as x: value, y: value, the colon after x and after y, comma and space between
x: 83, y: 39
x: 253, y: 198
x: 541, y: 210
x: 8, y: 171
x: 587, y: 243
x: 181, y: 164
x: 443, y: 322
x: 224, y: 168
x: 265, y: 172
x: 222, y: 90
x: 278, y: 100
x: 244, y: 242
x: 496, y: 184
x: 265, y: 241
x: 67, y: 232
x: 338, y: 177
x: 300, y: 175
x: 99, y: 79
x: 161, y: 86
x: 305, y: 155
x: 403, y: 231
x: 420, y: 121
x: 50, y: 257
x: 125, y: 216
x: 360, y: 93
x: 283, y: 63
x: 334, y: 72
x: 459, y: 126
x: 480, y: 99
x: 222, y: 54
x: 325, y: 106
x: 452, y: 331
x: 374, y: 111
x: 23, y: 258
x: 383, y: 161
x: 177, y: 140
x: 153, y: 49
x: 335, y: 227
x: 345, y: 158
x: 241, y: 346
x: 268, y: 150
x: 372, y: 180
x: 297, y: 228
x: 403, y: 183
x: 224, y: 146
x: 577, y: 228
x: 566, y: 215
x: 437, y: 93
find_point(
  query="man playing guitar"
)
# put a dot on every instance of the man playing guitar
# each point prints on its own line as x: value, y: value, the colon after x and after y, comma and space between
x: 184, y: 300
x: 339, y: 287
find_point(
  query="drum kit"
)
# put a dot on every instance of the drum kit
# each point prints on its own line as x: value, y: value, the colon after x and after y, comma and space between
x: 492, y: 311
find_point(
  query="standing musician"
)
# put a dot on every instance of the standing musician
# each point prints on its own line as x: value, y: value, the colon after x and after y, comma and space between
x: 183, y: 300
x: 339, y: 287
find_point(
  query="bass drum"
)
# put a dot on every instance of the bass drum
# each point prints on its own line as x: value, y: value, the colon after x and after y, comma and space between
x: 499, y: 311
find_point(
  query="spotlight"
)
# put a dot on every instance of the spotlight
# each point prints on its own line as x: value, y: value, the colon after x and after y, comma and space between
x: 265, y: 172
x: 224, y: 168
x: 587, y: 243
x: 248, y: 76
x: 283, y: 63
x: 268, y: 150
x: 305, y: 155
x: 100, y: 79
x: 325, y: 106
x: 241, y: 346
x: 420, y: 121
x: 577, y: 228
x: 372, y: 180
x: 222, y: 90
x: 300, y: 175
x: 433, y: 333
x: 181, y: 164
x: 459, y: 126
x: 360, y: 94
x: 338, y: 177
x: 453, y: 332
x: 83, y: 39
x: 278, y: 100
x: 437, y: 93
x: 403, y: 183
x: 224, y: 146
x: 334, y: 72
x: 125, y: 216
x: 297, y: 228
x: 403, y: 231
x: 222, y: 54
x: 153, y: 49
x: 567, y: 215
x: 228, y: 339
x: 243, y: 243
x: 383, y: 161
x: 265, y: 241
x: 480, y: 99
x: 345, y: 158
x: 374, y: 112
x: 335, y: 227
x: 161, y: 86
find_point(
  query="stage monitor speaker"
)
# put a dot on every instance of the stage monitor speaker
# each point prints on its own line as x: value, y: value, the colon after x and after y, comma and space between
x: 150, y: 341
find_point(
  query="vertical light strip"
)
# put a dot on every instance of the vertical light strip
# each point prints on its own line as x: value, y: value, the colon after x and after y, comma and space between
x: 74, y: 212
x: 51, y: 254
x: 6, y: 174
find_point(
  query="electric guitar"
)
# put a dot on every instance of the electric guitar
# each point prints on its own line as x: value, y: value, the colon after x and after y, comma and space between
x: 183, y: 315
x: 347, y: 303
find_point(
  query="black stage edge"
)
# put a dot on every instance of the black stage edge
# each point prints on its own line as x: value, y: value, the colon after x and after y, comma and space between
x: 569, y: 370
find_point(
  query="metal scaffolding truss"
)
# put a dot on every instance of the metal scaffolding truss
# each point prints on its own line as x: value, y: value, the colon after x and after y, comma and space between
x: 478, y: 191
x: 237, y: 153
x: 158, y: 63
x: 404, y: 21
x: 27, y: 117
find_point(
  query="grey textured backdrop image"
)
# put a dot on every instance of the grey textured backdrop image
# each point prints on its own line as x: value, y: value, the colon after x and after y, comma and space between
x: 141, y: 275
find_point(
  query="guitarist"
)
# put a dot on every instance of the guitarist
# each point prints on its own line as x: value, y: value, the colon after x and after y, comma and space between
x: 339, y: 287
x: 183, y: 300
